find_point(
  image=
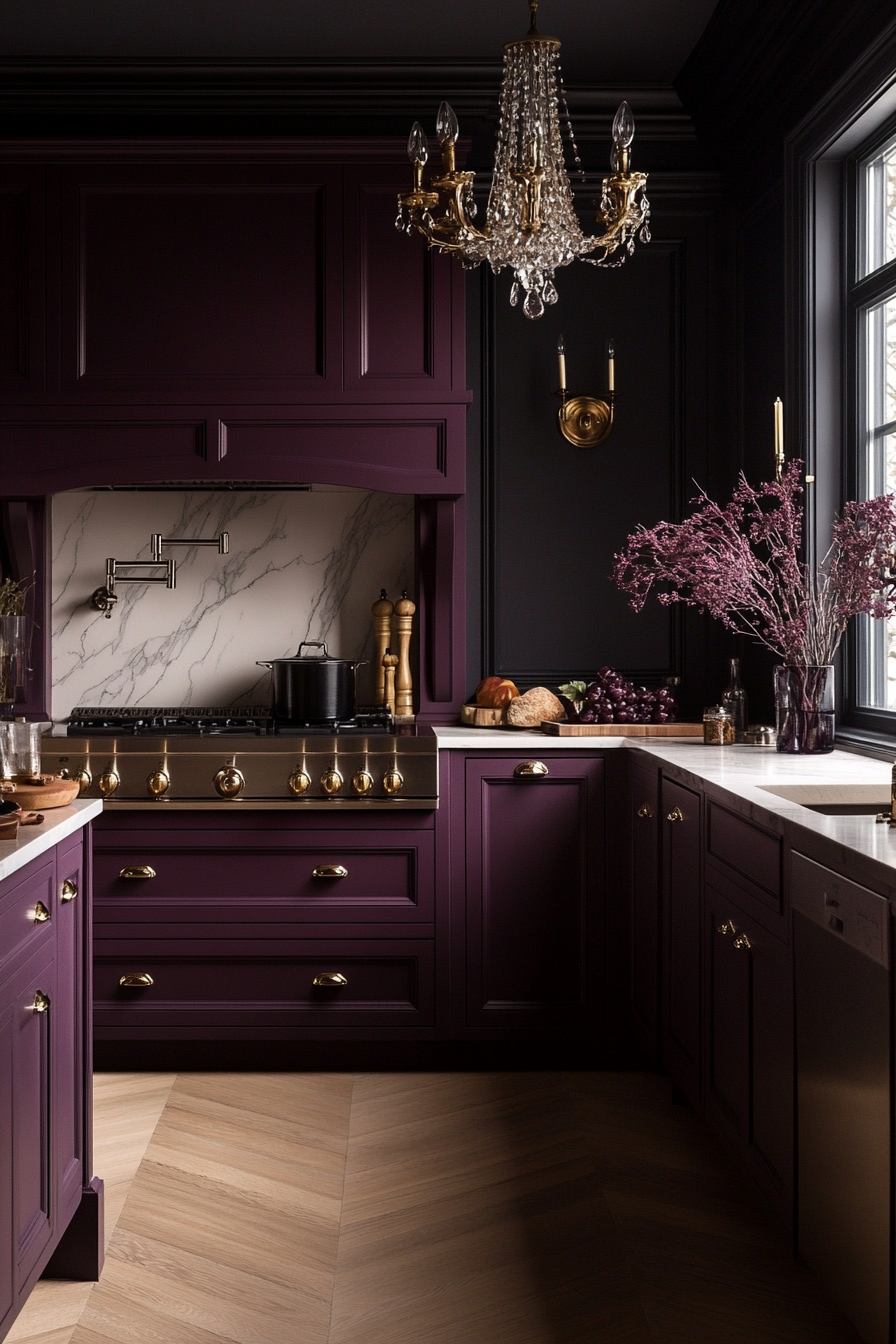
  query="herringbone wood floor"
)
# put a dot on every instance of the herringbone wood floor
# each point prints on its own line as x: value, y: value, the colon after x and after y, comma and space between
x: 414, y: 1208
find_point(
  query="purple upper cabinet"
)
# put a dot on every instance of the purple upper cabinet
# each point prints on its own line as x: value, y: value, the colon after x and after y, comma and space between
x: 22, y: 336
x: 402, y: 300
x: 184, y: 282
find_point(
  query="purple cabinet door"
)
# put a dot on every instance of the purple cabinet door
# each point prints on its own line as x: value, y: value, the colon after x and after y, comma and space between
x: 749, y: 1085
x: 7, y: 1038
x: 34, y: 986
x: 645, y: 910
x: 22, y: 315
x: 533, y: 865
x: 681, y: 829
x: 68, y: 1035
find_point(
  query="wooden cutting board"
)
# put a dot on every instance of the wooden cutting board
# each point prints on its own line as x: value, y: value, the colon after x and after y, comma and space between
x: 623, y: 729
x: 55, y: 792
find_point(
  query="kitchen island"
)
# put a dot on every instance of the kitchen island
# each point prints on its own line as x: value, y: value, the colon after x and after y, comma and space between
x: 51, y: 1205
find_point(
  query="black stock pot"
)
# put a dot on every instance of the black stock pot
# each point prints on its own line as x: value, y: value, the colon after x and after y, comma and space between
x: 312, y: 689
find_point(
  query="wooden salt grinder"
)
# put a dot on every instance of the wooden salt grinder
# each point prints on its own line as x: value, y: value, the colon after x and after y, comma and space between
x: 404, y: 685
x: 382, y: 628
x: 390, y: 662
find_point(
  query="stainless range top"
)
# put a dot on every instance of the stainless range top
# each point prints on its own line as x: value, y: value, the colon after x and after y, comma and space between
x: 166, y: 758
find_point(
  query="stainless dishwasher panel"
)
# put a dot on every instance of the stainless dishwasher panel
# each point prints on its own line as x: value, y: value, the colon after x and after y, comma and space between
x: 844, y: 1125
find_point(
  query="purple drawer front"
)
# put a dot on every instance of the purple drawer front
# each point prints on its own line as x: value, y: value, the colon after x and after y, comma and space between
x: 387, y: 982
x: 338, y: 883
x: 746, y: 849
x: 21, y: 931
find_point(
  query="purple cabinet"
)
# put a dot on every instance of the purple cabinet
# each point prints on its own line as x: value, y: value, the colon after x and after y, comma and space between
x: 532, y: 838
x: 644, y: 835
x: 50, y: 1208
x: 681, y: 914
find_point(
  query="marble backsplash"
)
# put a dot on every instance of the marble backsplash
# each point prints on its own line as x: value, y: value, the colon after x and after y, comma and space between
x: 302, y: 565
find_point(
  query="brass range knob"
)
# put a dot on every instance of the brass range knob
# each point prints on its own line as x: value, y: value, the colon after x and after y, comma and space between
x: 84, y: 779
x: 41, y: 914
x: 392, y: 781
x: 229, y: 782
x: 158, y: 783
x: 68, y: 891
x: 362, y: 782
x: 299, y: 783
x: 109, y: 782
x: 331, y: 782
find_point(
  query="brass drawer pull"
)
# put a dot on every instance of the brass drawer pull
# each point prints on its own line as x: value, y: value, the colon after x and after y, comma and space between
x: 40, y: 1002
x: 41, y: 914
x: 137, y: 870
x: 530, y: 770
x: 330, y: 980
x: 329, y: 870
x: 136, y: 980
x: 742, y: 943
x: 68, y: 890
x: 675, y: 815
x: 645, y: 810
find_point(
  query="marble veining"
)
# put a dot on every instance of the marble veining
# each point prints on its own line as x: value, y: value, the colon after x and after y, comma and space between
x: 302, y: 565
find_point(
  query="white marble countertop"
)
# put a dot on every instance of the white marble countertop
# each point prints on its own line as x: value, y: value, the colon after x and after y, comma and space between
x: 739, y: 773
x: 32, y: 841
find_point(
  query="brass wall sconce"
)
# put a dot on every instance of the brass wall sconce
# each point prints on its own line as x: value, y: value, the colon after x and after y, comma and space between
x: 585, y: 421
x: 104, y: 599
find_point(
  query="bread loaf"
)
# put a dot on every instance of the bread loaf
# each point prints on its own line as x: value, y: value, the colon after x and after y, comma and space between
x: 495, y: 692
x: 536, y: 706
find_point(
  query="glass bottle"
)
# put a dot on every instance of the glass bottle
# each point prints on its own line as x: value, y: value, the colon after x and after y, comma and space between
x: 734, y: 699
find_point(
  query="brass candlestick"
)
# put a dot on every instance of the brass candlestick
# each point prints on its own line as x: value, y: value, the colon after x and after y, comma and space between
x: 382, y: 626
x: 404, y: 685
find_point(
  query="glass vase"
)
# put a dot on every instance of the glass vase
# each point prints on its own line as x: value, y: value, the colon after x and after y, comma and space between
x: 14, y: 639
x: 804, y: 709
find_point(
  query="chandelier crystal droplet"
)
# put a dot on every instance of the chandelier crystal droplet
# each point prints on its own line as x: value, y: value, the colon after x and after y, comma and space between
x: 530, y: 222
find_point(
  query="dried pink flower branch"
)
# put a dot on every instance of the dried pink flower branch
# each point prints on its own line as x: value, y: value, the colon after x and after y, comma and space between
x: 742, y: 565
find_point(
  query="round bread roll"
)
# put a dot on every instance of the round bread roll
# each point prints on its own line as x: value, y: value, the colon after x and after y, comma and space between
x: 537, y: 706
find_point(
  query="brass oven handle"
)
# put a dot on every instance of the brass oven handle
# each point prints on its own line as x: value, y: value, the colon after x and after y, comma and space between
x: 136, y: 980
x: 675, y: 815
x: 645, y: 810
x: 530, y: 770
x: 142, y: 870
x: 40, y: 1003
x: 329, y: 870
x: 41, y: 914
x: 330, y: 980
x: 68, y: 891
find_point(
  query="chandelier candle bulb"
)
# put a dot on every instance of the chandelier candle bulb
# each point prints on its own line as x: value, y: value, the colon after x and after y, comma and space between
x: 561, y: 361
x: 779, y: 438
x: 611, y: 368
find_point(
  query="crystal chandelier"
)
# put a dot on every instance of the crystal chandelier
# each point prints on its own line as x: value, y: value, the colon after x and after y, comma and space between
x: 530, y: 222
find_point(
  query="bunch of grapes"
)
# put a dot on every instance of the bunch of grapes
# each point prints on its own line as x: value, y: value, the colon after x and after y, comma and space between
x: 611, y: 698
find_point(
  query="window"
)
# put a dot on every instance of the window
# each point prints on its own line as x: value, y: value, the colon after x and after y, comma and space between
x: 872, y: 306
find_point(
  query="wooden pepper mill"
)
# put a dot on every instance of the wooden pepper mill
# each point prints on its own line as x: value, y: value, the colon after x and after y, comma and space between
x: 404, y: 685
x: 390, y: 662
x: 382, y: 630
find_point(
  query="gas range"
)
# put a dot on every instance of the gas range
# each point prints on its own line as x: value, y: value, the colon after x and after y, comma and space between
x: 223, y: 757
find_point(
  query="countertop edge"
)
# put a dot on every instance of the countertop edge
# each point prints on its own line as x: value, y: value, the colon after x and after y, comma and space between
x: 33, y: 841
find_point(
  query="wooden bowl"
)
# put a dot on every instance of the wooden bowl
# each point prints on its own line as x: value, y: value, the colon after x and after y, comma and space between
x: 9, y: 819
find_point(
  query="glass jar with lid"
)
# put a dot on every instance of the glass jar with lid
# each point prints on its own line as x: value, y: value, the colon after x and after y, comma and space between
x: 718, y: 726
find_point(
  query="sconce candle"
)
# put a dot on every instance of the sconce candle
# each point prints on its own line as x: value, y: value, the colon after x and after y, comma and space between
x: 611, y: 367
x: 779, y: 438
x: 561, y: 360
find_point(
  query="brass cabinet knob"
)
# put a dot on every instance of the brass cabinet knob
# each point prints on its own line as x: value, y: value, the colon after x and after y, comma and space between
x: 299, y: 783
x: 68, y: 891
x: 158, y: 783
x: 229, y: 782
x: 136, y: 980
x: 362, y: 782
x: 84, y: 779
x: 138, y: 870
x: 330, y: 980
x: 109, y: 782
x: 742, y: 943
x: 41, y: 914
x: 331, y: 782
x: 726, y: 928
x: 675, y: 815
x: 392, y: 781
x: 329, y: 870
x: 531, y: 770
x: 40, y: 1003
x: 645, y: 810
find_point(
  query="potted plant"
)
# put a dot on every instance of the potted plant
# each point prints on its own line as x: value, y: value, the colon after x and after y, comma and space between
x: 742, y: 563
